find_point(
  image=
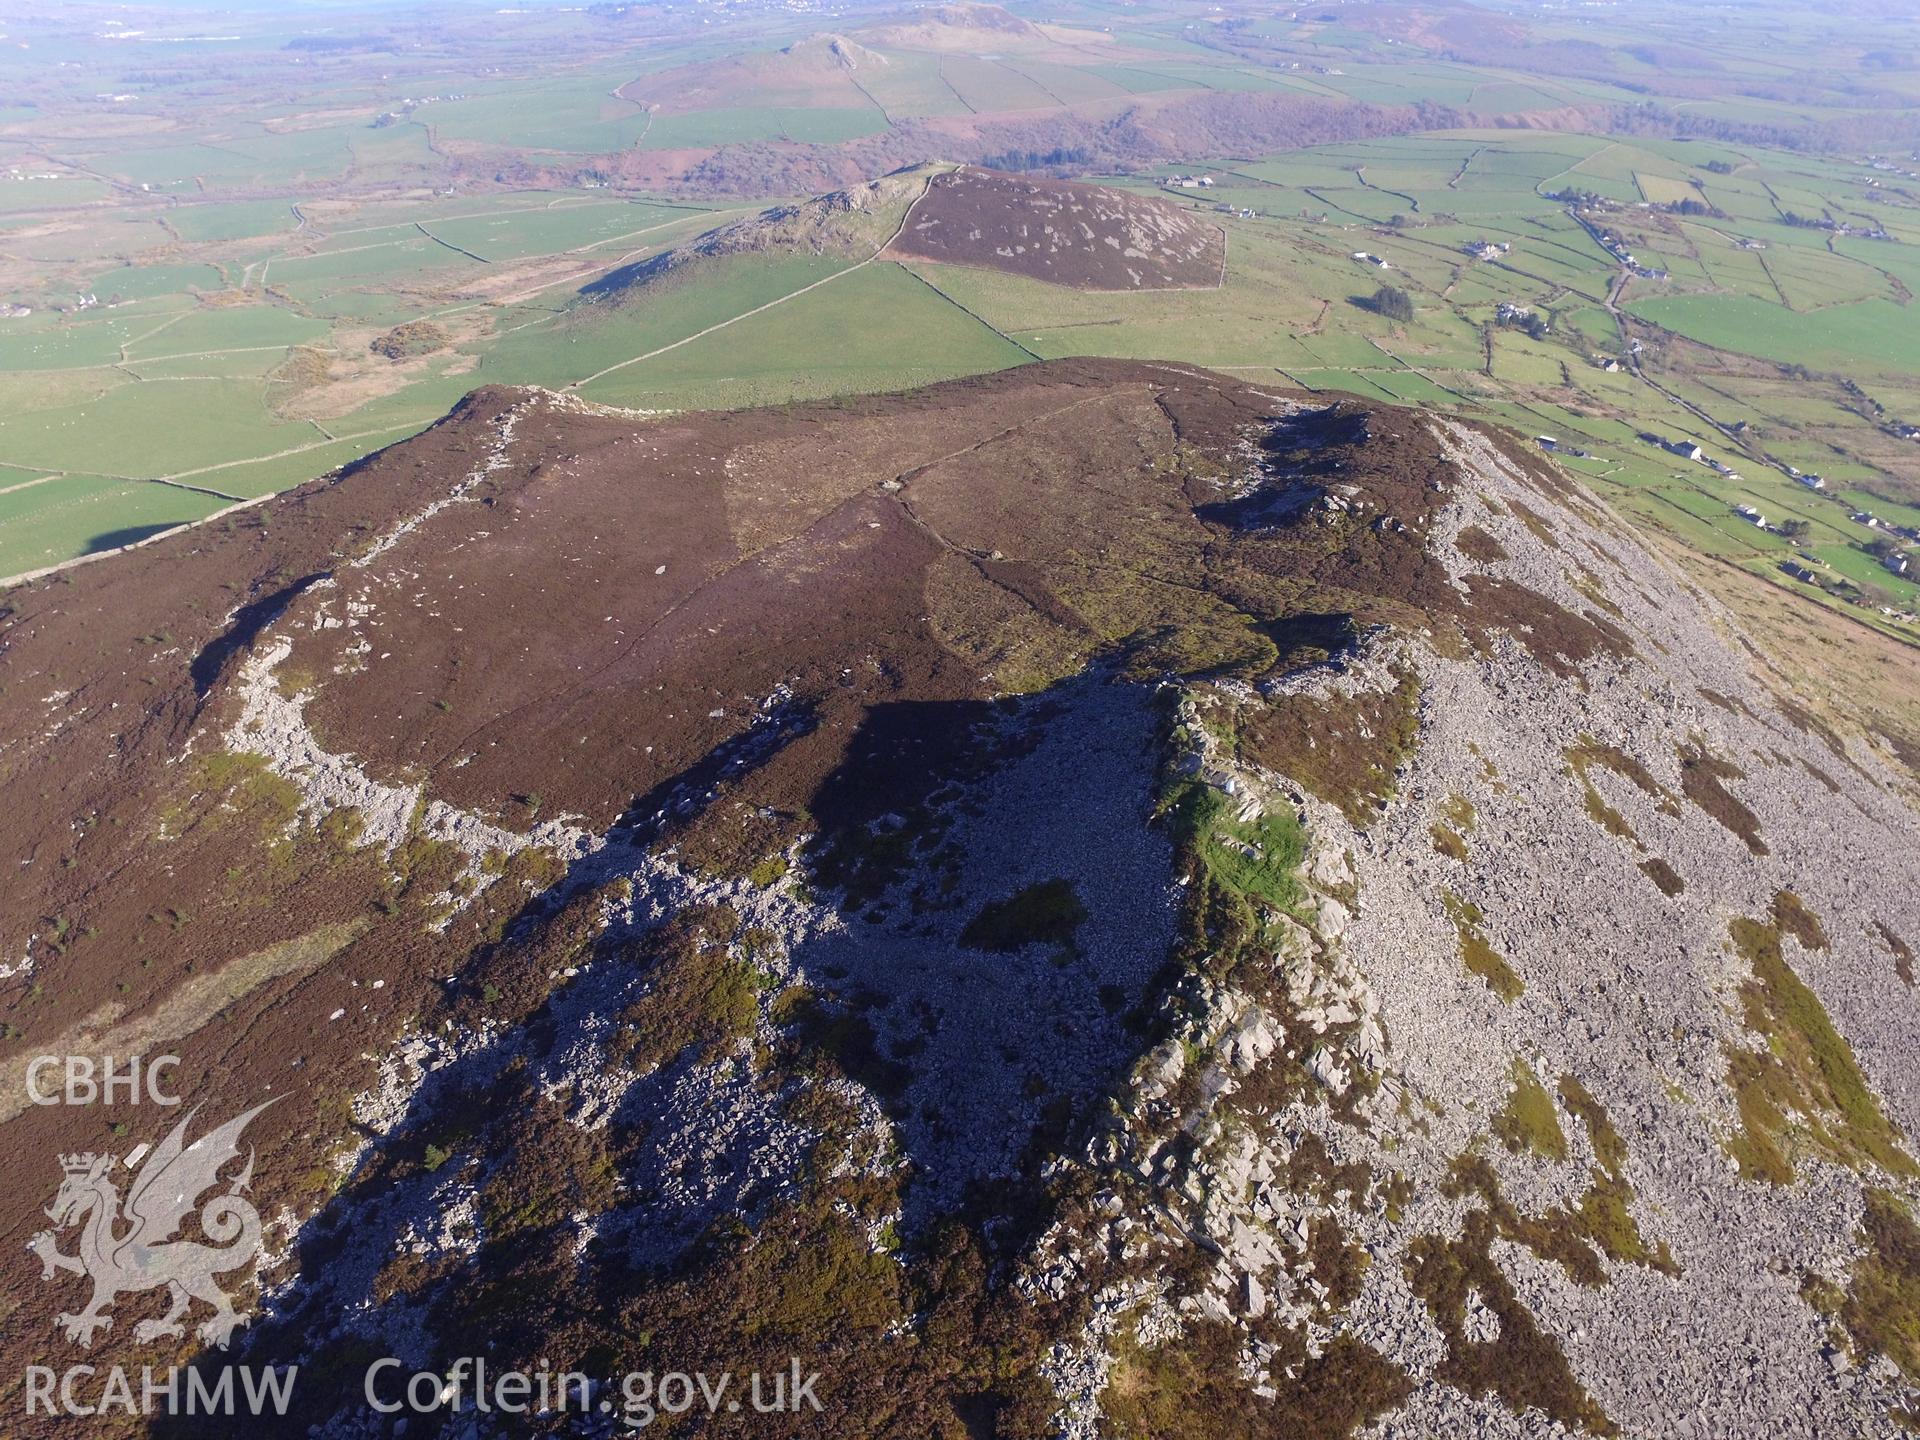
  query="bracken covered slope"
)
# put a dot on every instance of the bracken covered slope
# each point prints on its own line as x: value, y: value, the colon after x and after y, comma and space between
x: 1099, y: 900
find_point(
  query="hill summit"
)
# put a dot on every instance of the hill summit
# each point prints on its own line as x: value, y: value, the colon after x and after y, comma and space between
x: 961, y: 27
x: 1087, y: 237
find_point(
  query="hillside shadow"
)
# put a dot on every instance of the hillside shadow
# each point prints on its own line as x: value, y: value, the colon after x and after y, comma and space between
x: 248, y: 621
x: 1312, y: 639
x: 616, y: 283
x: 128, y: 535
x: 981, y: 989
x: 1299, y: 456
x: 1028, y: 907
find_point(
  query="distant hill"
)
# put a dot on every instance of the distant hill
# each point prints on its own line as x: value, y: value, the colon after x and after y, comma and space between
x: 962, y: 28
x: 1089, y: 237
x: 831, y: 69
x: 815, y: 72
x: 1108, y: 136
x: 853, y: 224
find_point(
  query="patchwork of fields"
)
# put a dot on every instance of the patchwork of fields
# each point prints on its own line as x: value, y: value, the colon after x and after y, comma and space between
x: 234, y: 359
x: 181, y: 386
x: 1774, y: 346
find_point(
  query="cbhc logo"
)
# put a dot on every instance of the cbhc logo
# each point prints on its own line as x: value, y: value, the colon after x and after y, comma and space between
x: 81, y: 1080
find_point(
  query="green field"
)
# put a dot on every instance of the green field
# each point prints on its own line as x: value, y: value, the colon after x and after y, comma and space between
x: 75, y: 514
x: 1876, y: 334
x: 877, y: 328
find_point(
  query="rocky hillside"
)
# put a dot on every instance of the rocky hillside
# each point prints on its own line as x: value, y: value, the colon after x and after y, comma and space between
x: 850, y: 224
x: 1089, y: 237
x: 1101, y: 900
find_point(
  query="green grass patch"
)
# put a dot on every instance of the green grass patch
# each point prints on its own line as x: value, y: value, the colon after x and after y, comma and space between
x: 144, y: 282
x: 770, y: 871
x: 152, y: 428
x: 1256, y: 859
x: 1189, y: 1388
x: 1881, y: 1309
x: 1477, y: 953
x: 1806, y: 1069
x: 700, y: 995
x: 1607, y: 1143
x: 1529, y: 1121
x: 1606, y: 1220
x: 230, y: 220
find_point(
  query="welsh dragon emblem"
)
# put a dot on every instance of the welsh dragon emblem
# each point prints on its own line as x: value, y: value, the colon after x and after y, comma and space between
x: 133, y: 1248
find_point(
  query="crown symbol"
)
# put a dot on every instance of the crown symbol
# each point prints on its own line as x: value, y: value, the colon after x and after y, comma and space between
x: 76, y: 1164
